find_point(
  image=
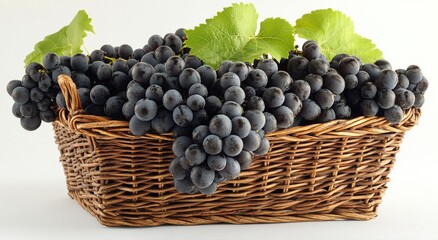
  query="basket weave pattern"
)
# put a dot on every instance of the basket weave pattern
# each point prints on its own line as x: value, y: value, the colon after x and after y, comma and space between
x: 329, y: 171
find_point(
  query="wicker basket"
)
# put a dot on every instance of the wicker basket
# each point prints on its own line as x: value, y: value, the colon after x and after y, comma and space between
x: 330, y: 171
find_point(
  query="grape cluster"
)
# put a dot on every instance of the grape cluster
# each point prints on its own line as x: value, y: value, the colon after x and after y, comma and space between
x: 218, y: 117
x: 345, y: 88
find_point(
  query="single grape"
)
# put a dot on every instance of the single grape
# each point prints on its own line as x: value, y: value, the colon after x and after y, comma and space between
x: 383, y: 64
x: 180, y: 145
x: 20, y: 95
x: 334, y: 82
x: 240, y: 126
x: 51, y: 61
x: 104, y: 73
x: 342, y: 110
x: 188, y: 77
x: 257, y: 78
x: 31, y: 123
x: 255, y: 103
x: 351, y: 81
x: 224, y: 68
x: 192, y: 61
x: 324, y: 98
x: 177, y: 171
x: 372, y: 69
x: 229, y: 79
x: 120, y: 65
x: 209, y: 190
x: 174, y: 42
x: 145, y: 109
x: 174, y: 66
x: 385, y: 98
x: 185, y: 186
x: 368, y: 107
x: 172, y: 99
x: 394, y: 115
x: 113, y: 107
x: 108, y: 50
x: 195, y: 154
x: 315, y: 82
x: 240, y: 69
x: 213, y: 104
x: 419, y: 100
x: 231, y: 109
x: 125, y: 51
x: 268, y: 66
x: 271, y: 122
x: 310, y: 110
x: 362, y: 77
x: 212, y: 144
x: 182, y: 115
x: 414, y: 75
x: 65, y: 61
x: 422, y: 86
x: 12, y: 85
x: 154, y: 93
x: 297, y: 67
x: 249, y: 92
x: 368, y: 90
x: 138, y: 53
x: 150, y: 59
x: 349, y: 65
x: 28, y: 82
x: 236, y: 94
x: 28, y: 109
x: 252, y: 141
x: 244, y: 159
x: 280, y: 79
x: 216, y: 162
x: 47, y: 116
x: 128, y: 109
x: 293, y: 102
x: 311, y: 51
x: 198, y: 88
x: 273, y: 97
x: 232, y: 145
x: 158, y: 79
x: 99, y: 94
x: 135, y: 91
x: 201, y: 176
x: 16, y: 110
x: 163, y: 122
x: 231, y: 170
x: 301, y: 88
x: 256, y: 118
x: 220, y: 125
x: 79, y: 62
x: 387, y: 79
x: 404, y: 98
x: 36, y: 94
x: 142, y: 72
x: 58, y: 71
x: 326, y: 115
x: 44, y: 104
x: 208, y: 75
x: 318, y: 67
x: 263, y: 148
x: 284, y: 116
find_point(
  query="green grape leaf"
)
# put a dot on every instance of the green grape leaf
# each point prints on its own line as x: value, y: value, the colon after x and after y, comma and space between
x: 67, y: 41
x: 231, y: 35
x: 334, y: 32
x: 275, y: 37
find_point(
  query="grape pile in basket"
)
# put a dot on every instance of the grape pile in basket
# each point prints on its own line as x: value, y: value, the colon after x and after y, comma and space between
x: 218, y: 117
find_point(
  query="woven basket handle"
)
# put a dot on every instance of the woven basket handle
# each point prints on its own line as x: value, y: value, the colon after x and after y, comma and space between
x: 70, y: 93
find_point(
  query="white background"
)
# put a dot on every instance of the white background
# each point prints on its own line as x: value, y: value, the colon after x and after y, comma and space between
x: 33, y: 196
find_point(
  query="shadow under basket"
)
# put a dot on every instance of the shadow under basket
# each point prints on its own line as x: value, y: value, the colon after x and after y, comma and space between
x: 330, y: 171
